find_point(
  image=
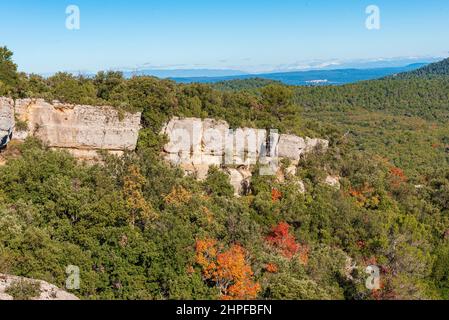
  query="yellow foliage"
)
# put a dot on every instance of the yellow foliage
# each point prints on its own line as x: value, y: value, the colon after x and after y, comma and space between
x: 178, y: 196
x: 135, y: 201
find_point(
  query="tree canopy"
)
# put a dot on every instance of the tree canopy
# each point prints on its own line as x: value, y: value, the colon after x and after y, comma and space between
x: 139, y: 229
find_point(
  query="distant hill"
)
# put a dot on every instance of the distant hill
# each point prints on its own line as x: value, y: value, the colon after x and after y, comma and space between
x: 182, y: 73
x: 313, y: 77
x: 440, y: 68
x: 243, y: 84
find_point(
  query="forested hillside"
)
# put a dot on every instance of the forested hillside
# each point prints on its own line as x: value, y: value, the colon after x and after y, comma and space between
x: 440, y: 68
x: 243, y: 84
x: 139, y: 229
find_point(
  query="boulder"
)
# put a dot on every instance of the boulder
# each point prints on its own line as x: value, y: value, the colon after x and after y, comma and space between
x: 291, y: 147
x: 333, y: 181
x: 291, y: 170
x: 47, y: 291
x: 316, y: 144
x: 239, y: 179
x: 301, y: 186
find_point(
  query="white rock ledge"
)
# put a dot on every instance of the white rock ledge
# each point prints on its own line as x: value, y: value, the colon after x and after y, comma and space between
x: 47, y: 290
x: 80, y: 129
x: 195, y: 145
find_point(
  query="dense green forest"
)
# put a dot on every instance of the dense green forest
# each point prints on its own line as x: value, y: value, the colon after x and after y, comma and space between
x: 139, y: 229
x: 243, y: 84
x: 440, y: 68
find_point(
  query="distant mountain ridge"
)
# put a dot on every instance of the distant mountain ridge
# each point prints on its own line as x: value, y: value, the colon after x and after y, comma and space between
x: 181, y: 73
x: 316, y: 77
x: 312, y: 77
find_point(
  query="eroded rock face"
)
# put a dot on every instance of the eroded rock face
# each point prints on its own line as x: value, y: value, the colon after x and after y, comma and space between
x: 291, y: 147
x: 196, y: 144
x: 47, y: 291
x: 80, y: 129
x: 316, y: 144
x: 6, y: 116
x: 240, y: 179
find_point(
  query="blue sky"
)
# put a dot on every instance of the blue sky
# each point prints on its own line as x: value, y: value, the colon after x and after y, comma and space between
x: 251, y: 35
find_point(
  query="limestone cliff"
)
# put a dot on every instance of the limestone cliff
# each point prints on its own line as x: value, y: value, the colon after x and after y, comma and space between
x: 196, y: 144
x: 80, y: 129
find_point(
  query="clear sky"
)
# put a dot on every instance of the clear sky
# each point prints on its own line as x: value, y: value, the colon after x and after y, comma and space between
x: 244, y: 34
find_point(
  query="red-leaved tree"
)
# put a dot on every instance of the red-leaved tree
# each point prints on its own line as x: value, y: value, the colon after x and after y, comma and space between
x: 281, y: 239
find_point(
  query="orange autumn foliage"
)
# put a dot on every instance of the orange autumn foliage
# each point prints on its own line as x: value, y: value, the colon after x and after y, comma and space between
x: 276, y: 195
x: 206, y: 253
x: 365, y: 196
x: 361, y: 244
x: 397, y: 177
x: 304, y: 255
x: 371, y: 261
x: 361, y: 192
x: 271, y: 268
x: 228, y: 270
x: 436, y: 145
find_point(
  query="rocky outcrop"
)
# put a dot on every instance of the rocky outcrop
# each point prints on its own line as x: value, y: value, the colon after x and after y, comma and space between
x: 195, y: 145
x: 45, y: 290
x: 80, y: 129
x: 333, y: 181
x: 6, y: 118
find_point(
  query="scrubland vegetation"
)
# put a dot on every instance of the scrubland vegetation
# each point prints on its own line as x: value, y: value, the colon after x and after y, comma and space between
x: 139, y: 229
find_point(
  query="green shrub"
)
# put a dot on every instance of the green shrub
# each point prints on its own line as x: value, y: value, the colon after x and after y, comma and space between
x: 24, y: 290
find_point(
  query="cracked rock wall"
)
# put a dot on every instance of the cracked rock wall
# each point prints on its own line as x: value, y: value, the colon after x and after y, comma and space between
x: 80, y: 129
x: 195, y: 145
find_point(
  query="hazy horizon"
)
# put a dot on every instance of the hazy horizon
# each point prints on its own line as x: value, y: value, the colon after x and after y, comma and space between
x: 253, y: 37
